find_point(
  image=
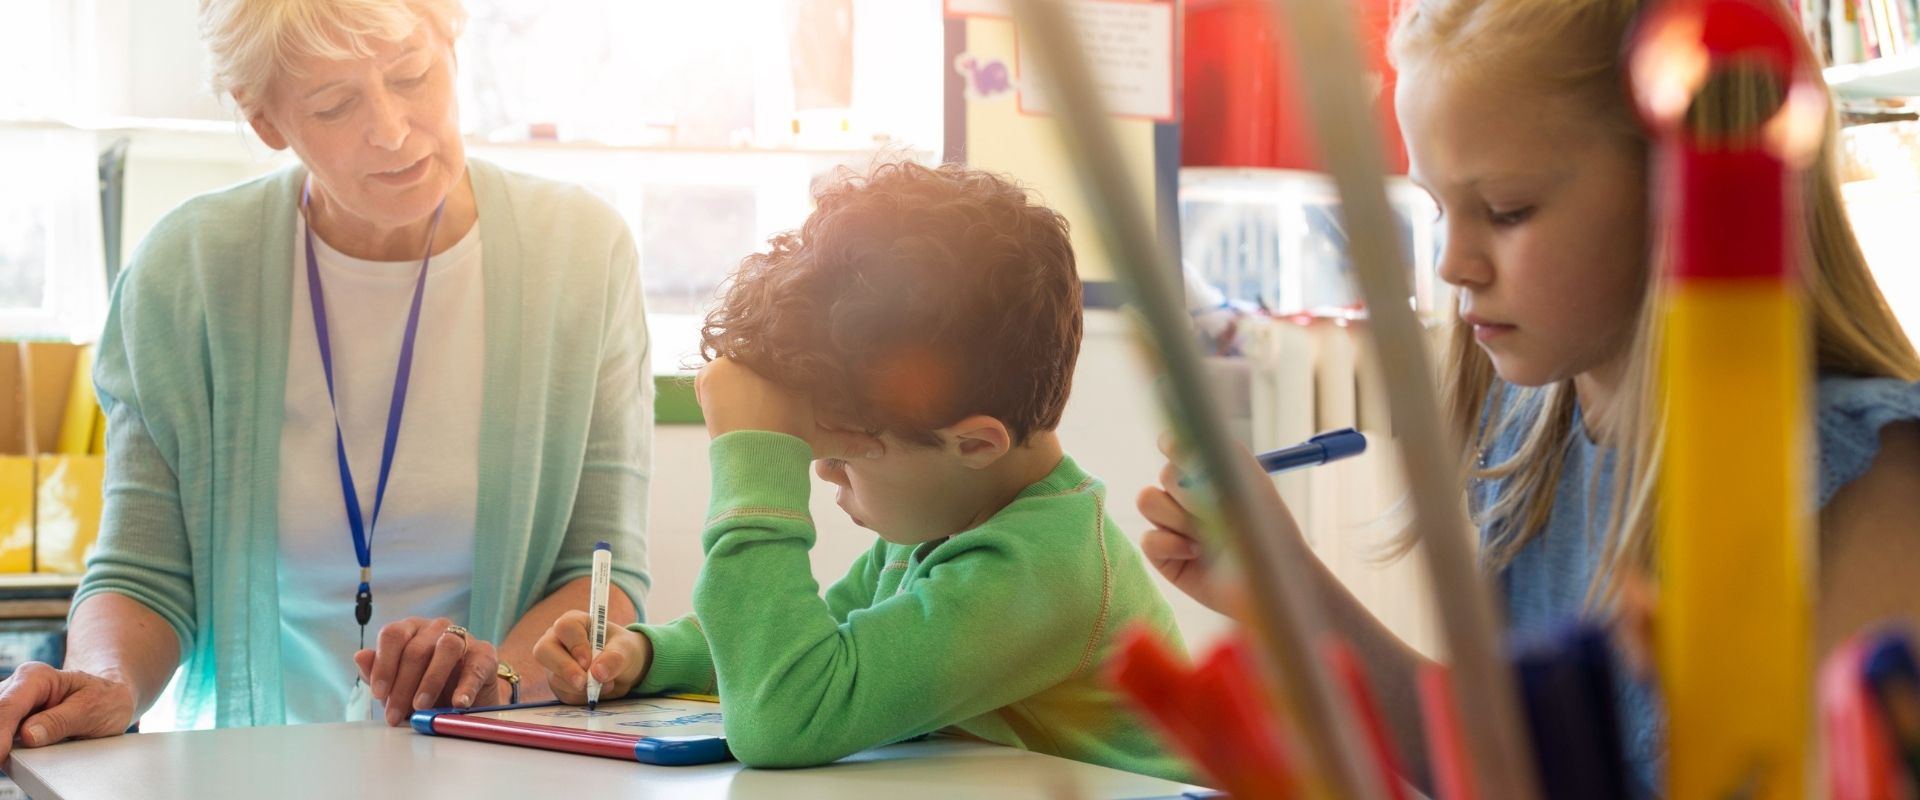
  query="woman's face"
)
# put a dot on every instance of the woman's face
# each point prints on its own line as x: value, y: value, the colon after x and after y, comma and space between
x: 1545, y: 211
x: 380, y: 135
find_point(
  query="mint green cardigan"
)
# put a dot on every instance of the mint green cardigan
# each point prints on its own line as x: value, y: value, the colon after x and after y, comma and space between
x: 192, y: 371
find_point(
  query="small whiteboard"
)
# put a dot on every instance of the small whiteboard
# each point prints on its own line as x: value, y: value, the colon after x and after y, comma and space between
x: 672, y: 731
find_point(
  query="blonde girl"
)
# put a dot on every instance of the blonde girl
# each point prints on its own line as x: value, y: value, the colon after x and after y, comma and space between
x: 1517, y: 122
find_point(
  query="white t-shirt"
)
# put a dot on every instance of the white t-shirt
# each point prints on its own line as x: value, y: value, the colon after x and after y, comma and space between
x: 422, y: 550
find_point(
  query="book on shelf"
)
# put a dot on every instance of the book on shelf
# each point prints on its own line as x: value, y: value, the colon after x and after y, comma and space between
x: 1856, y: 31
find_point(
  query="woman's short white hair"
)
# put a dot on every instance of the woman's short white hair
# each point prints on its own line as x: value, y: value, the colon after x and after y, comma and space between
x: 250, y: 41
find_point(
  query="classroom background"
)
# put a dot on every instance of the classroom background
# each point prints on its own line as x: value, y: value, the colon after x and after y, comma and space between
x: 707, y: 123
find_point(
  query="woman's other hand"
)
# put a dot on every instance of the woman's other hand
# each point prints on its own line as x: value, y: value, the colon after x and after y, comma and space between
x: 429, y: 663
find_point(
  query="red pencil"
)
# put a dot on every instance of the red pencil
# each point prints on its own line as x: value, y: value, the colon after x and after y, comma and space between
x: 1860, y: 756
x: 1352, y: 677
x: 1446, y: 747
x: 1227, y: 700
x: 1144, y: 671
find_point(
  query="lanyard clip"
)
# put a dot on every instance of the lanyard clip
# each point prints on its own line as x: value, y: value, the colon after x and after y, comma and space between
x: 363, y: 605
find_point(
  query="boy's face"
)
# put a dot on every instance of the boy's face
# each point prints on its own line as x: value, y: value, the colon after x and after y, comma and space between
x: 913, y: 493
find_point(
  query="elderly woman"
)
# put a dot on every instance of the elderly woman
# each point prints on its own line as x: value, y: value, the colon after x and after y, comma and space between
x: 388, y: 390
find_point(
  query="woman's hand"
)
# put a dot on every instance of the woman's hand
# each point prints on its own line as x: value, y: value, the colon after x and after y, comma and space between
x: 429, y: 663
x: 565, y: 651
x: 40, y: 705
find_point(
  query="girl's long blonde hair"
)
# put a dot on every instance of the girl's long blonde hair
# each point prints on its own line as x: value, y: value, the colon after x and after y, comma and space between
x: 1573, y: 48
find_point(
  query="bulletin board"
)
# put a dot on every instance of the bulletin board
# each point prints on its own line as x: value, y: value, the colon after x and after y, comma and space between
x: 997, y: 120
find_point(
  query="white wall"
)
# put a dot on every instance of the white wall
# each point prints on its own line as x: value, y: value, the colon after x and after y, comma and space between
x: 168, y: 78
x: 1882, y: 212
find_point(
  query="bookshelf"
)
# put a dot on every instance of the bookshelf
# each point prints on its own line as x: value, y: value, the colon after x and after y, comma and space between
x: 1871, y: 47
x: 34, y: 596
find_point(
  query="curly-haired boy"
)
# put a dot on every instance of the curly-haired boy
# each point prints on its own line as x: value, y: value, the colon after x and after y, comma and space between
x: 914, y: 339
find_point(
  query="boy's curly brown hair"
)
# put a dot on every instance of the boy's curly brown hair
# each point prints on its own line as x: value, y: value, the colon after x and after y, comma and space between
x: 911, y: 298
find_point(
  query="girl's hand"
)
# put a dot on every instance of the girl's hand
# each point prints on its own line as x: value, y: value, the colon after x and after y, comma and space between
x: 1174, y: 546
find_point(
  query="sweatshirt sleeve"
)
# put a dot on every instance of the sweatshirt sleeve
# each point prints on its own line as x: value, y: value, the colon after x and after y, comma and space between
x: 983, y: 629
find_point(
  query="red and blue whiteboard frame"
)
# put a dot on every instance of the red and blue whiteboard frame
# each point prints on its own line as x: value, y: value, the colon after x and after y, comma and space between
x: 671, y: 751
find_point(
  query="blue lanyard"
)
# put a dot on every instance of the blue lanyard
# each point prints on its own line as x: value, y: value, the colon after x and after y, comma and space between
x: 362, y: 529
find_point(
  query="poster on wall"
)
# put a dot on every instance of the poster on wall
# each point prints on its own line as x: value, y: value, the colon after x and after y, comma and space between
x: 1131, y: 47
x: 994, y: 124
x: 956, y: 9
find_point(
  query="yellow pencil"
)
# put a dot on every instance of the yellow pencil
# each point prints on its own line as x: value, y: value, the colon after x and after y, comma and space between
x: 1734, y: 506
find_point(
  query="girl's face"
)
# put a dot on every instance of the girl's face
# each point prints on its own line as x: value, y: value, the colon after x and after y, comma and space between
x: 1545, y: 208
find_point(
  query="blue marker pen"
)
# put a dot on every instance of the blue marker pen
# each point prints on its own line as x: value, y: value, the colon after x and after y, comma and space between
x: 1325, y: 447
x: 1329, y: 446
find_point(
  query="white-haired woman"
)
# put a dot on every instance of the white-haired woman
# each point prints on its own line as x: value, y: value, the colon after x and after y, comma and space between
x: 369, y: 415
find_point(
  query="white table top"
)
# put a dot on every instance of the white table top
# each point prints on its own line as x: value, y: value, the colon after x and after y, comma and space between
x: 368, y: 760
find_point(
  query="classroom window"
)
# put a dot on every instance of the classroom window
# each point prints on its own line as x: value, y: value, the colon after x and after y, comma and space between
x: 705, y: 124
x: 720, y: 116
x: 52, y: 285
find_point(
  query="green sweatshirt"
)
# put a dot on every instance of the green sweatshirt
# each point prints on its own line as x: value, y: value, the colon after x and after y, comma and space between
x: 999, y: 632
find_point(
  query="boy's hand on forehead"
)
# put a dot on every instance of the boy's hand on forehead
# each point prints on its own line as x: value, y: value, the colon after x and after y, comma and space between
x: 735, y: 398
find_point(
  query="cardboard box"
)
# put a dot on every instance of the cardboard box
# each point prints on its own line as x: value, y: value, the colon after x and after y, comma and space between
x: 49, y: 501
x: 66, y: 511
x: 16, y: 514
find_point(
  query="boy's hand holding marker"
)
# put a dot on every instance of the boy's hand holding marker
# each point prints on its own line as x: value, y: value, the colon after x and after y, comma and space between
x: 565, y: 651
